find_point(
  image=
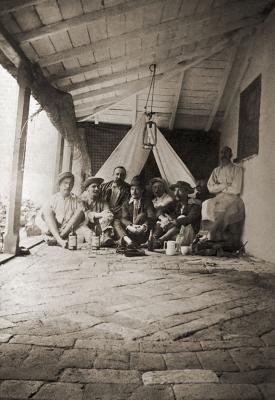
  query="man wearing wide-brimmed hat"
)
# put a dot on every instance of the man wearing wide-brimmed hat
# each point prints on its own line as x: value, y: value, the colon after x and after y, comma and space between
x: 138, y: 216
x: 186, y: 216
x: 63, y: 211
x: 99, y: 218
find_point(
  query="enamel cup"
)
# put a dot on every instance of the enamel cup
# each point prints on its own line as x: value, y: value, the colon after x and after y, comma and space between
x: 170, y: 247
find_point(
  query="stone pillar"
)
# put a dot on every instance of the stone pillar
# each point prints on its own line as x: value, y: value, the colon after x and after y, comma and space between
x: 58, y: 160
x: 67, y: 157
x: 11, y: 239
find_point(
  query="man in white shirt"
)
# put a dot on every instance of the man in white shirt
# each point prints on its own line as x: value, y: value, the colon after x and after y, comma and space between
x: 223, y: 215
x: 62, y: 212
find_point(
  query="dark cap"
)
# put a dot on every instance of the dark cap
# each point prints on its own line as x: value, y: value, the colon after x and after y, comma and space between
x: 90, y: 180
x: 158, y: 180
x: 65, y: 175
x: 136, y: 181
x: 182, y: 185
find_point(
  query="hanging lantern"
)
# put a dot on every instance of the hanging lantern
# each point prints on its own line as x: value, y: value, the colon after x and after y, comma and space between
x: 150, y: 128
x: 150, y: 135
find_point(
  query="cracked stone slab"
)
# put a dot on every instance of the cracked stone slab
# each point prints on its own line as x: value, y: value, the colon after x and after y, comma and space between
x: 231, y: 344
x: 60, y: 391
x: 217, y: 360
x: 179, y: 376
x: 4, y: 323
x: 268, y: 390
x: 147, y: 362
x: 101, y: 376
x: 216, y: 392
x: 152, y: 393
x: 109, y: 391
x: 169, y: 347
x: 5, y: 337
x: 111, y: 360
x: 55, y: 341
x: 186, y: 360
x: 14, y: 389
x: 252, y: 377
x: 253, y: 358
x: 107, y: 344
x: 77, y: 358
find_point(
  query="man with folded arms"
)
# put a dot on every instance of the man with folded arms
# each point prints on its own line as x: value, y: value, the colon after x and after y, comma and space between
x: 62, y: 212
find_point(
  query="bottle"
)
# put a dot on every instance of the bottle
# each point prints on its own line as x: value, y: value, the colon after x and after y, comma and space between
x: 151, y: 241
x: 72, y: 240
x: 96, y: 239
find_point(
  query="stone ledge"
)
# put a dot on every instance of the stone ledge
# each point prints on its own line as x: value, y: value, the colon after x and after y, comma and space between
x: 216, y: 392
x: 179, y: 376
x: 101, y: 376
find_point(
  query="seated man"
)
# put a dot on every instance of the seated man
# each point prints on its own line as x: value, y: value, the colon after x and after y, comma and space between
x: 137, y: 216
x: 62, y: 212
x: 223, y: 215
x: 97, y: 212
x: 186, y: 216
x: 116, y: 192
x: 163, y: 204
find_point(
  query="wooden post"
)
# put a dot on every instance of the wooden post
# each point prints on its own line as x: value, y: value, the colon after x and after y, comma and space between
x: 67, y: 157
x: 11, y: 239
x: 58, y: 160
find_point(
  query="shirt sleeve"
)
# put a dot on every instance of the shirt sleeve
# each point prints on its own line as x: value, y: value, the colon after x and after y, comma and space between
x: 236, y: 185
x: 213, y: 185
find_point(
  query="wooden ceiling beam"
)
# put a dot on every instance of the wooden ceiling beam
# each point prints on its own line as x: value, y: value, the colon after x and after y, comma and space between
x: 140, y: 86
x: 163, y: 67
x: 154, y: 51
x: 87, y: 18
x: 7, y: 6
x: 107, y: 78
x: 219, y: 26
x: 176, y: 102
x: 10, y: 48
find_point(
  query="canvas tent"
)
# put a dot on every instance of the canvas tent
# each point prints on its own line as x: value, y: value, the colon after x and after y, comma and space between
x: 132, y: 155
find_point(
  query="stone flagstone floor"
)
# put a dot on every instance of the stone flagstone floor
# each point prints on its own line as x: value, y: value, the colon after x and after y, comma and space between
x: 97, y: 326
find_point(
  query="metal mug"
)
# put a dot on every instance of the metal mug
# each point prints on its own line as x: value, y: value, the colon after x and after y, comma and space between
x: 170, y: 247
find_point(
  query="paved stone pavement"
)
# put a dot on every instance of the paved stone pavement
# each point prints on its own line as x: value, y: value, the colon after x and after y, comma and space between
x: 96, y: 325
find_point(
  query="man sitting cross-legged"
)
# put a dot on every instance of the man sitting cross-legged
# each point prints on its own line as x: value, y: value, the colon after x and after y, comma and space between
x: 186, y: 216
x: 97, y: 212
x: 137, y: 216
x: 61, y: 213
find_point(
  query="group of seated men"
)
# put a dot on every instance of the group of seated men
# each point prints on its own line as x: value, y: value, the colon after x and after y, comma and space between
x: 125, y: 214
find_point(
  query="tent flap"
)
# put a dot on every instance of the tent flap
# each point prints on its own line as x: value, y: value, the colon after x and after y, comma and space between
x: 131, y: 154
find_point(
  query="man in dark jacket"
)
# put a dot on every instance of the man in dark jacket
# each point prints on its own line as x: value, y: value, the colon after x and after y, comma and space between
x: 186, y: 217
x: 137, y: 216
x: 116, y: 192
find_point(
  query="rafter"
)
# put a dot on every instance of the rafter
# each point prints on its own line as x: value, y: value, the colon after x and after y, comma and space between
x: 87, y: 18
x: 10, y: 48
x: 176, y: 102
x: 138, y: 87
x: 162, y: 67
x: 106, y: 78
x: 221, y: 90
x: 219, y: 26
x: 7, y: 6
x: 119, y: 61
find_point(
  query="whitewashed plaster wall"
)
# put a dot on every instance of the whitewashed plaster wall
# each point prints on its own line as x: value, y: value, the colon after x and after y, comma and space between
x: 259, y: 172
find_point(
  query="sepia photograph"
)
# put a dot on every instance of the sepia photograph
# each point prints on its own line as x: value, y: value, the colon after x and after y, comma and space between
x: 137, y: 199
